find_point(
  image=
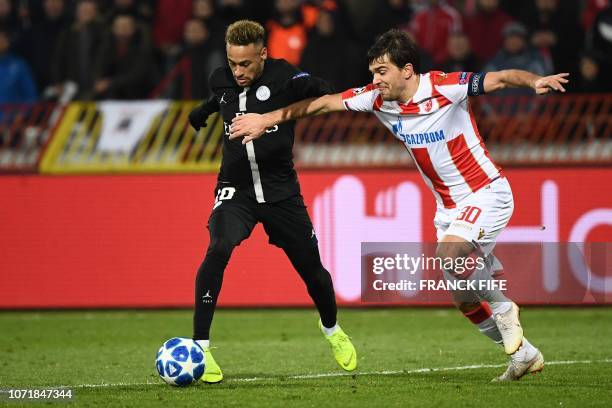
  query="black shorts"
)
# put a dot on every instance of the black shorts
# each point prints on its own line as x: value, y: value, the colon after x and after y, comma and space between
x: 286, y: 222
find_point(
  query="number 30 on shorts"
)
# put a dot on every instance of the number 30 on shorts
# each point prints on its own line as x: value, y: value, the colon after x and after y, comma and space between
x: 469, y: 214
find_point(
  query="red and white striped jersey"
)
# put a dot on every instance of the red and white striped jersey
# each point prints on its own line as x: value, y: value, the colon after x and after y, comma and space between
x: 438, y: 129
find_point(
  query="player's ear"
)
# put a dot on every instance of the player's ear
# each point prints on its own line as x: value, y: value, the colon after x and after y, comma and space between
x: 263, y: 53
x: 408, y: 71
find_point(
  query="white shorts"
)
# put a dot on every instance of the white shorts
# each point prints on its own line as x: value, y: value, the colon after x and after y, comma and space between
x: 480, y: 217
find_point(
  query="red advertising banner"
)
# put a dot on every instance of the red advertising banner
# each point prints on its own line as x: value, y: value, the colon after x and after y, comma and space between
x: 137, y: 241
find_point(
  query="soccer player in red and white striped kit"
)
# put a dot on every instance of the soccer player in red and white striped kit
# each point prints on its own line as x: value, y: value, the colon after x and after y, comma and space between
x: 430, y: 114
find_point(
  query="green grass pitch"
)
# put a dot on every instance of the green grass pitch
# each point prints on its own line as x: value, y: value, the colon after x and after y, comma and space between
x: 407, y: 357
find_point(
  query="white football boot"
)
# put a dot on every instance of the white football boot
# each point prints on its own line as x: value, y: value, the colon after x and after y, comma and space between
x: 510, y: 328
x: 527, y: 359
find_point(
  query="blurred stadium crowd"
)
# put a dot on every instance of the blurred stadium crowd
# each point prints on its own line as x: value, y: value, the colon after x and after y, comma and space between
x: 138, y: 49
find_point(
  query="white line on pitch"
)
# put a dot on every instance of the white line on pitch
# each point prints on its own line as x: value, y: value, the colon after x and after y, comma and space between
x: 340, y: 374
x: 413, y: 371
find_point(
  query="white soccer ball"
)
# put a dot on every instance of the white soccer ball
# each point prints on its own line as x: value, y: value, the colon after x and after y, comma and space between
x: 180, y: 361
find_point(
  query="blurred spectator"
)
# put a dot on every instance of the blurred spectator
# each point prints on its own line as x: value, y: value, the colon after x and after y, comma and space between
x: 124, y: 64
x: 235, y: 9
x: 141, y: 10
x: 517, y: 8
x: 600, y: 37
x: 76, y: 50
x: 388, y: 14
x: 589, y: 78
x: 228, y: 11
x: 170, y: 18
x: 9, y: 21
x: 318, y: 35
x: 38, y: 43
x: 591, y: 9
x: 556, y: 34
x: 16, y: 82
x: 287, y: 31
x: 516, y: 54
x: 484, y: 29
x: 201, y: 58
x: 460, y: 56
x: 205, y: 11
x: 432, y: 26
x: 599, y: 41
x: 329, y: 52
x: 427, y: 63
x: 341, y: 13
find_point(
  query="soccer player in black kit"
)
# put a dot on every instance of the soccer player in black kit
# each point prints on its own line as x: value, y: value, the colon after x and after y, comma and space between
x: 257, y: 183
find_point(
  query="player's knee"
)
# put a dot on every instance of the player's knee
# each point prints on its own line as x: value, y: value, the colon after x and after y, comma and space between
x: 220, y: 248
x: 317, y: 278
x: 452, y: 255
x: 322, y: 278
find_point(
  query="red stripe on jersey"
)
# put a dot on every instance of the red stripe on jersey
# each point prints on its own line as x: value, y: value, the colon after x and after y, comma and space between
x: 412, y: 108
x: 467, y: 165
x: 378, y: 103
x: 349, y: 93
x: 443, y: 101
x: 423, y: 160
x: 435, y: 77
x: 408, y: 108
x: 449, y: 78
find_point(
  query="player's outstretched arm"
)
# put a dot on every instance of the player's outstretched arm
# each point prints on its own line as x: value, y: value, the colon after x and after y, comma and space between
x: 516, y: 78
x: 199, y: 115
x: 252, y: 125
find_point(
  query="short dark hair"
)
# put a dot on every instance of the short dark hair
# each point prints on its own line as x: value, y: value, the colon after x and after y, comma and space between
x: 245, y: 32
x: 400, y: 48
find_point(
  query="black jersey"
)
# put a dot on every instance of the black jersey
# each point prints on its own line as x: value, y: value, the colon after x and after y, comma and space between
x: 262, y: 169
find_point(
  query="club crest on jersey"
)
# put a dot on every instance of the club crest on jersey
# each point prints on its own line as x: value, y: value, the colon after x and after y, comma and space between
x: 428, y: 106
x: 357, y: 91
x: 263, y: 93
x: 481, y: 234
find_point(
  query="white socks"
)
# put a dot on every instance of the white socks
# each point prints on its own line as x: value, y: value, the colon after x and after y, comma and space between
x: 331, y: 330
x: 489, y: 329
x: 500, y: 307
x: 203, y: 343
